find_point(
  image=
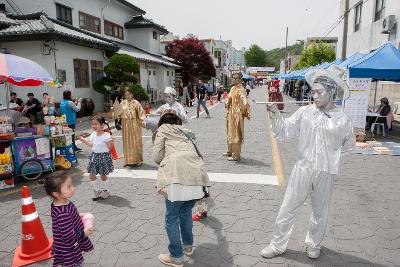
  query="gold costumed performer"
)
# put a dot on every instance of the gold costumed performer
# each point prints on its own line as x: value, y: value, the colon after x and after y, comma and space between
x: 237, y: 108
x: 132, y: 115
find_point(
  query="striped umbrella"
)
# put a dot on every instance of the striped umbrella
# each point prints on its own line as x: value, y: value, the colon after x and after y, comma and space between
x: 23, y: 72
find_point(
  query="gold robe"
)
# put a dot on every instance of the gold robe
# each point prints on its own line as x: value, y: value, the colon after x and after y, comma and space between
x: 132, y: 116
x: 237, y: 109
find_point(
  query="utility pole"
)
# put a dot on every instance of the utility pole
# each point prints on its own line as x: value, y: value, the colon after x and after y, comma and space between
x: 345, y: 28
x: 286, y: 52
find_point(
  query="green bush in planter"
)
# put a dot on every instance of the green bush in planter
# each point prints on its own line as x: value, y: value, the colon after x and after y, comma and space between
x: 99, y: 86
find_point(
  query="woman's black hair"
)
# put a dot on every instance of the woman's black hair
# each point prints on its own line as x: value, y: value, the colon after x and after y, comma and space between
x: 99, y: 119
x: 67, y: 95
x: 170, y: 118
x: 53, y: 183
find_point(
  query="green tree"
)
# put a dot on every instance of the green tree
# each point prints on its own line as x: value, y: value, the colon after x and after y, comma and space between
x: 122, y: 68
x: 255, y: 56
x: 316, y: 54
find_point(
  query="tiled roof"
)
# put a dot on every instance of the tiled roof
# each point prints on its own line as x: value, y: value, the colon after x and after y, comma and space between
x: 39, y: 24
x: 142, y: 55
x: 4, y: 20
x: 142, y: 22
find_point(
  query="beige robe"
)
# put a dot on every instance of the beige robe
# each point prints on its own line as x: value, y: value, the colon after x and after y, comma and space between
x: 132, y: 116
x: 237, y: 109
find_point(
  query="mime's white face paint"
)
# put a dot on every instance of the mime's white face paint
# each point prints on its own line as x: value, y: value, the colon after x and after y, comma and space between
x: 322, y: 97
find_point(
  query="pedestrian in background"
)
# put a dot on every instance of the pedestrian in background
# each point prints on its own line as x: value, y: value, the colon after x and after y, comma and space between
x: 210, y: 89
x: 248, y: 89
x: 69, y: 108
x: 117, y: 96
x: 180, y: 90
x: 201, y: 93
x: 182, y: 179
x: 100, y: 160
x: 70, y: 237
x: 186, y: 96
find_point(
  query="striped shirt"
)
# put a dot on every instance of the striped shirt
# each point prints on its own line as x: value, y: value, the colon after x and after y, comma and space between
x: 69, y: 240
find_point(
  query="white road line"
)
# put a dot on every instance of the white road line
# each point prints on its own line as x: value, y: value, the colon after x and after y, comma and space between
x: 214, y: 177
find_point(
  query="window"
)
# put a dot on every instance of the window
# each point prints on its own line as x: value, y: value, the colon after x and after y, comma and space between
x: 155, y: 35
x: 172, y: 73
x: 88, y: 22
x: 96, y: 69
x: 149, y: 72
x: 64, y: 13
x: 357, y: 16
x: 61, y: 76
x: 167, y: 72
x: 81, y: 72
x: 114, y: 30
x: 379, y: 9
x: 154, y: 72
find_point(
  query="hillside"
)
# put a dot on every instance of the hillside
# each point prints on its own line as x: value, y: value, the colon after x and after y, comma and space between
x: 275, y: 55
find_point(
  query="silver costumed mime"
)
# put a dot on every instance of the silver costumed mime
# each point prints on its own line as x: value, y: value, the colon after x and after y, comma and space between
x: 321, y: 141
x: 324, y: 132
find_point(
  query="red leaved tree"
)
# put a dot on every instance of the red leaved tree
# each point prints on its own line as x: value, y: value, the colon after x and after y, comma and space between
x: 193, y: 57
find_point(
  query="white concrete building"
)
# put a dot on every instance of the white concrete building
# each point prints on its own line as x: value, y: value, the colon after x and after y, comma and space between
x: 73, y: 40
x: 371, y: 24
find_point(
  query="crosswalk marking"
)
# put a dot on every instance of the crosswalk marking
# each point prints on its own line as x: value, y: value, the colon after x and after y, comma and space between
x: 214, y: 177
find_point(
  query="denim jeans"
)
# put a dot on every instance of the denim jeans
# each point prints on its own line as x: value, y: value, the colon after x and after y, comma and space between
x: 179, y: 224
x: 201, y: 102
x: 72, y: 126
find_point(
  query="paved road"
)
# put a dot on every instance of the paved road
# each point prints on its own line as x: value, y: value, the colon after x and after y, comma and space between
x: 364, y: 228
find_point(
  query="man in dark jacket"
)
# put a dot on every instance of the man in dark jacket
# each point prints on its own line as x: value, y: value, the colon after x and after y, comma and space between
x: 201, y: 92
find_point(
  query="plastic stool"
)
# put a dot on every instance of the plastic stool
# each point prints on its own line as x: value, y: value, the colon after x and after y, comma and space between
x: 379, y: 126
x: 66, y: 151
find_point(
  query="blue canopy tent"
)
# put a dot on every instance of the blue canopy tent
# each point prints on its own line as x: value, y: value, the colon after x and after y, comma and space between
x: 382, y: 64
x: 335, y: 62
x: 247, y: 77
x: 350, y: 60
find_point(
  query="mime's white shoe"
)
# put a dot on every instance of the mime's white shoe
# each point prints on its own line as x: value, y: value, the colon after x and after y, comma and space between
x: 313, y: 253
x: 269, y: 252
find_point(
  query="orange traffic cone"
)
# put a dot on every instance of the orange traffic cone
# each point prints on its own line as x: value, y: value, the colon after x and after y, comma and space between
x: 114, y: 153
x: 35, y: 245
x: 225, y: 95
x: 211, y: 102
x: 147, y: 107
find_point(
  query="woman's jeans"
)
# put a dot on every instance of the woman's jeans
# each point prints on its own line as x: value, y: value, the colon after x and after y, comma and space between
x: 179, y: 224
x: 201, y: 102
x: 72, y: 126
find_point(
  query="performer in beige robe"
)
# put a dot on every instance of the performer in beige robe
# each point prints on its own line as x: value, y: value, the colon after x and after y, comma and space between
x: 132, y: 115
x: 237, y: 109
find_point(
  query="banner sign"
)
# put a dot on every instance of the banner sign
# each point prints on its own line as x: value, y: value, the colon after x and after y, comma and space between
x: 356, y: 106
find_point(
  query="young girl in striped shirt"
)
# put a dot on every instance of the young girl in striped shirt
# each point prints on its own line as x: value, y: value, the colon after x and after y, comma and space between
x: 70, y: 238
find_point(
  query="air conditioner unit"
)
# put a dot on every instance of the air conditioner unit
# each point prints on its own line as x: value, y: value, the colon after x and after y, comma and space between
x: 388, y: 24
